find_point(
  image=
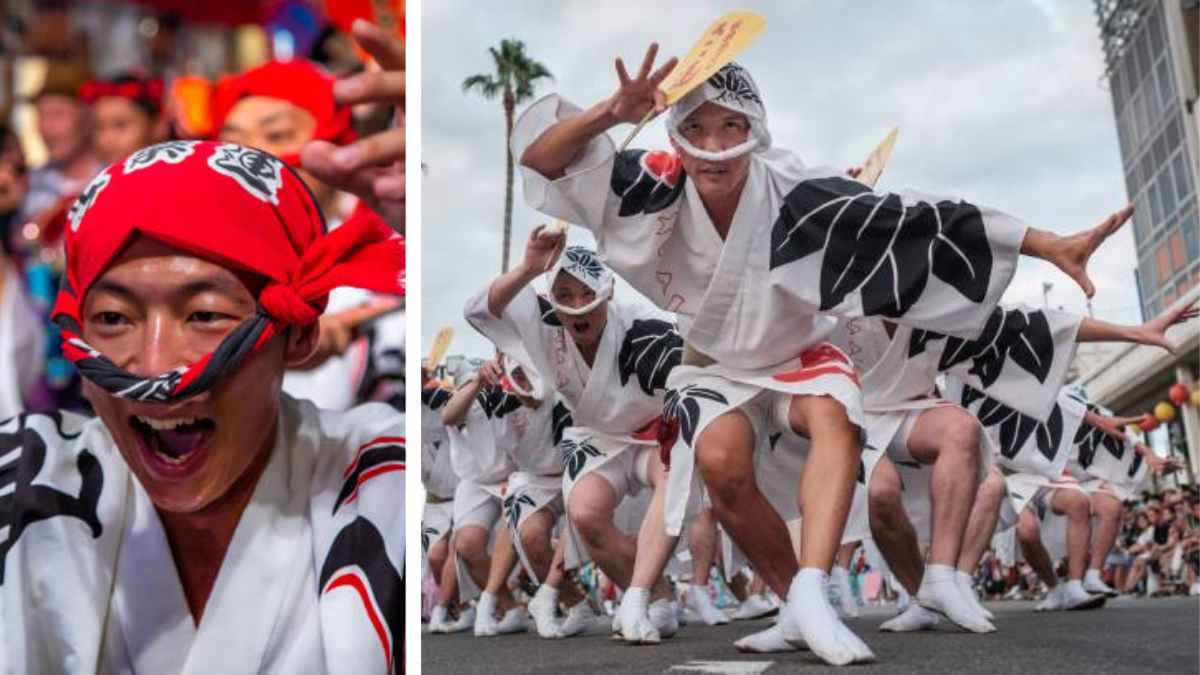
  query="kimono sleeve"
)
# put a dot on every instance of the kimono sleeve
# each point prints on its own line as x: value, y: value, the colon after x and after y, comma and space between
x: 1019, y: 359
x: 581, y: 195
x: 935, y: 263
x: 519, y: 331
x: 1026, y: 444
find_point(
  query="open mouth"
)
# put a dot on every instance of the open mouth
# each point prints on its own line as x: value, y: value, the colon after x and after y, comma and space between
x: 173, y: 446
x: 580, y: 326
x: 713, y: 170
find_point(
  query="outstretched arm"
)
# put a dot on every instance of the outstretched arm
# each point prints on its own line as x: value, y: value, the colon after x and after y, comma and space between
x: 555, y: 149
x: 541, y: 251
x: 455, y: 412
x: 1072, y: 252
x: 1152, y: 333
x: 1159, y: 465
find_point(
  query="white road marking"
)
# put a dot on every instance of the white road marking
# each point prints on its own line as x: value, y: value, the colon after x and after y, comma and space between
x: 723, y: 667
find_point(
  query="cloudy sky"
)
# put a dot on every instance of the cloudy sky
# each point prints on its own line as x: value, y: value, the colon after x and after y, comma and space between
x: 1000, y: 103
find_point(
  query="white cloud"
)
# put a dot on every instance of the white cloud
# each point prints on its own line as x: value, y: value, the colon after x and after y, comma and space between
x: 1000, y: 103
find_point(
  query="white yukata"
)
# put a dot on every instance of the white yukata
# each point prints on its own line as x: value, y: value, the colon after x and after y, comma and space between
x: 1104, y: 464
x: 1021, y: 358
x: 22, y: 343
x: 437, y: 471
x: 803, y: 243
x: 608, y: 423
x: 311, y: 582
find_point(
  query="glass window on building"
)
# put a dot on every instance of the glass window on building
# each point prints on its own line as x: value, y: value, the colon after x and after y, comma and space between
x: 1166, y: 190
x: 1162, y: 262
x: 1154, y: 27
x: 1166, y: 85
x: 1191, y: 234
x: 1183, y: 176
x: 1178, y: 257
x: 1156, y: 210
x: 1145, y: 61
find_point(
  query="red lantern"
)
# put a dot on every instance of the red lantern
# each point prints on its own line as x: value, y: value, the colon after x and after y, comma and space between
x: 1148, y: 422
x: 1179, y: 394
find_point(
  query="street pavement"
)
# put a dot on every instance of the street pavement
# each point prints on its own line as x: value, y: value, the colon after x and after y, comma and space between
x: 1130, y: 635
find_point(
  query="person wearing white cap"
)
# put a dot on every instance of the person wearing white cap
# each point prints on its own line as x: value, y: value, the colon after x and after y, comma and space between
x: 753, y: 250
x: 609, y: 361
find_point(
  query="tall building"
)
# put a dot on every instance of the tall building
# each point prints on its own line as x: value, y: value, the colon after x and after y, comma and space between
x: 1151, y: 51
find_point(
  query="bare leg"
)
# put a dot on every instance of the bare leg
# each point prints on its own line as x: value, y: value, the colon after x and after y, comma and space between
x: 1077, y: 508
x: 437, y: 557
x: 702, y: 544
x: 1029, y: 533
x: 982, y: 523
x: 948, y: 438
x: 1107, y: 510
x: 556, y: 578
x: 504, y: 559
x: 448, y: 579
x: 470, y: 542
x: 892, y: 530
x: 827, y: 483
x: 725, y: 457
x: 535, y: 541
x: 591, y: 508
x: 654, y: 546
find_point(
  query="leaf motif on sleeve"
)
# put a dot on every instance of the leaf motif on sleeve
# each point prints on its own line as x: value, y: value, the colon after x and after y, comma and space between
x: 962, y: 256
x: 1033, y: 347
x: 1023, y: 337
x: 575, y: 455
x: 876, y: 245
x: 496, y: 402
x: 560, y: 419
x: 1016, y: 429
x: 652, y: 347
x: 434, y: 397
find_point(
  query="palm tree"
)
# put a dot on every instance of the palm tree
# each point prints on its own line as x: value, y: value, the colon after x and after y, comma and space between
x: 515, y: 78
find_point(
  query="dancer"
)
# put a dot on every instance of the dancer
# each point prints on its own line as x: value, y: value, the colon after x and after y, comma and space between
x: 143, y: 539
x: 437, y: 520
x: 748, y: 246
x: 609, y: 361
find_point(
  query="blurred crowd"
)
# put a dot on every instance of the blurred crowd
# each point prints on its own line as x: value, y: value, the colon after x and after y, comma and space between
x: 101, y: 81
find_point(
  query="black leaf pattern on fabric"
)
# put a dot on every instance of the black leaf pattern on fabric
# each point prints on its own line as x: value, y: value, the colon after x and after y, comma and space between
x: 496, y: 402
x: 428, y: 534
x: 585, y: 261
x: 1089, y: 439
x: 575, y: 455
x: 546, y: 310
x: 23, y: 502
x: 773, y: 439
x: 683, y: 406
x: 1135, y: 465
x: 560, y: 417
x: 876, y: 245
x: 646, y: 182
x: 513, y: 505
x: 434, y: 397
x: 652, y: 347
x: 1023, y: 337
x: 1017, y: 428
x: 733, y: 86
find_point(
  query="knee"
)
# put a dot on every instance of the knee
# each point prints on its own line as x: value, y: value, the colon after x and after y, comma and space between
x: 534, y: 538
x: 726, y: 484
x: 437, y: 555
x: 884, y: 497
x: 470, y: 543
x: 1028, y: 530
x: 1078, y: 507
x: 961, y: 438
x: 590, y: 519
x: 821, y: 417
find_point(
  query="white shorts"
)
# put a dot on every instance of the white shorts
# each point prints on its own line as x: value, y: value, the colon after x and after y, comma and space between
x: 437, y: 519
x: 476, y: 504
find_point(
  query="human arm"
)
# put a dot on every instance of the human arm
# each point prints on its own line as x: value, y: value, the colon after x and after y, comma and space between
x: 559, y: 145
x: 541, y: 251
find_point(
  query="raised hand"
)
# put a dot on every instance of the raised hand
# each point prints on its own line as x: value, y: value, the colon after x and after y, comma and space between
x: 543, y: 248
x: 371, y: 168
x: 1072, y: 253
x: 1154, y: 332
x: 637, y: 96
x: 489, y: 373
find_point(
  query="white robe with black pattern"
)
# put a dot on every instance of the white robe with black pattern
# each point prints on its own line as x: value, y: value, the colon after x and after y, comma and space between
x: 311, y: 582
x: 437, y: 472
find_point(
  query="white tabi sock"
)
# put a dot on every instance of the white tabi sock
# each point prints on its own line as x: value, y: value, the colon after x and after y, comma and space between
x: 633, y: 618
x: 665, y: 617
x: 485, y: 615
x: 698, y: 600
x: 542, y: 609
x: 913, y: 619
x: 1053, y: 600
x: 846, y: 605
x: 515, y: 620
x: 436, y: 618
x: 1075, y: 597
x: 767, y: 642
x: 578, y: 619
x: 807, y: 617
x: 967, y: 586
x: 939, y: 592
x: 1093, y: 583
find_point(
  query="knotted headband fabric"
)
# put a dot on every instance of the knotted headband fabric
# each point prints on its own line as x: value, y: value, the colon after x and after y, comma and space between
x: 235, y: 206
x: 298, y: 82
x: 583, y: 264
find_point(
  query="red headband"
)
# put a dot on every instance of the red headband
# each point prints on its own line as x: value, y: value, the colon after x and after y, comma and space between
x: 235, y: 206
x: 298, y: 82
x: 148, y: 91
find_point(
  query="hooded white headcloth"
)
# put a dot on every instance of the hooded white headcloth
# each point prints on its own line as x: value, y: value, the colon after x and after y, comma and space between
x: 730, y: 87
x: 583, y: 264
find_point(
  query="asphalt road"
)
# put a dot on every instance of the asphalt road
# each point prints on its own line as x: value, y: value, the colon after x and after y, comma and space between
x: 1128, y: 636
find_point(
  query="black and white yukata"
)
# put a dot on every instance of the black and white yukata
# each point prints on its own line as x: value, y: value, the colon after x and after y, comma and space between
x: 437, y: 469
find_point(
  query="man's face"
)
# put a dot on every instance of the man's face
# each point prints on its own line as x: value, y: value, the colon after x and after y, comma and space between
x: 121, y: 128
x: 65, y: 126
x: 13, y: 181
x: 714, y: 128
x: 156, y: 309
x: 275, y: 125
x: 585, y: 329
